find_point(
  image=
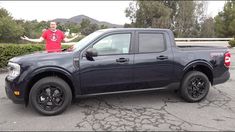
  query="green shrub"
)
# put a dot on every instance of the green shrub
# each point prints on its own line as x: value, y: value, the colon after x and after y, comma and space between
x: 232, y: 43
x: 8, y: 51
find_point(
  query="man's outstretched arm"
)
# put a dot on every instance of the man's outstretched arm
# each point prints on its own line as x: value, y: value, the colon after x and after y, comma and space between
x: 70, y: 39
x: 32, y: 40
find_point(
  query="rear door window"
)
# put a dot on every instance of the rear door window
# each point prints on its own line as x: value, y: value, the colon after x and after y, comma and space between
x: 151, y: 42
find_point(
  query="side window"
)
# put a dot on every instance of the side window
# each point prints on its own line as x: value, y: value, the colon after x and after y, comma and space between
x: 151, y: 42
x: 113, y: 44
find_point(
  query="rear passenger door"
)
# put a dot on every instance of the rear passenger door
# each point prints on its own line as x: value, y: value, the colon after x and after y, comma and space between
x: 153, y: 60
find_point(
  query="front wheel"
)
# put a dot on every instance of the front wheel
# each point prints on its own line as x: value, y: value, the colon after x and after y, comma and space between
x: 50, y: 96
x: 195, y: 86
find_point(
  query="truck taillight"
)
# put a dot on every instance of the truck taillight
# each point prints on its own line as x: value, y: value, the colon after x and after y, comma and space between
x: 227, y: 60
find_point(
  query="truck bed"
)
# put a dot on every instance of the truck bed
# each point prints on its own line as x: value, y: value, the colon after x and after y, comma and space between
x: 199, y: 47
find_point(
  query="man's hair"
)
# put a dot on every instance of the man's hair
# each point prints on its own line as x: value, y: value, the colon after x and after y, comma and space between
x: 53, y: 22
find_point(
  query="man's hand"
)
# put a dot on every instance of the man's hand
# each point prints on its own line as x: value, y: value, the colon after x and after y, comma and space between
x: 68, y: 40
x: 79, y: 34
x: 32, y: 40
x: 24, y: 38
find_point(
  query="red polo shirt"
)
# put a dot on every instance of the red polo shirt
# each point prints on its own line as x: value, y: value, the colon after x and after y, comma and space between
x: 53, y: 40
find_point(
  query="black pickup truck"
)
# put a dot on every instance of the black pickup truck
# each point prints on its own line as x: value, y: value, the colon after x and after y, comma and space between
x: 112, y: 61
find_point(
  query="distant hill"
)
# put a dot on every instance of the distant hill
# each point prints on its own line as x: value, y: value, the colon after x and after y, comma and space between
x: 78, y: 19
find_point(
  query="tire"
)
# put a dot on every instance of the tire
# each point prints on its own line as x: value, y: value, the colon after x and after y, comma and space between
x: 50, y: 96
x: 195, y: 86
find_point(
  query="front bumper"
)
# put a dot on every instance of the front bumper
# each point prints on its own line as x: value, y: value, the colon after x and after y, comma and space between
x: 10, y: 87
x: 225, y: 77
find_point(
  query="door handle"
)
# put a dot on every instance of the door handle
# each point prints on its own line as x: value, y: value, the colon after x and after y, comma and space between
x: 122, y: 60
x: 162, y: 57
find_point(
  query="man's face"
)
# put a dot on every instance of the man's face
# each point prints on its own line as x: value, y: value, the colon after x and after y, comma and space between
x: 53, y: 25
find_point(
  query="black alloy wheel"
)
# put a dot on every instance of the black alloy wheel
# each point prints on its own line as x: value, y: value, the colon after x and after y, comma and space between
x: 194, y: 86
x: 50, y: 96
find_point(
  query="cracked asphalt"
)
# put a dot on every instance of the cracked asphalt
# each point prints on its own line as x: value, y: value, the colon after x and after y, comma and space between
x: 160, y: 110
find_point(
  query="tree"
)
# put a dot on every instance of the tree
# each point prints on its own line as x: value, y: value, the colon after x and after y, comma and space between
x: 61, y: 27
x: 208, y: 28
x: 103, y: 26
x: 131, y: 11
x: 186, y: 20
x: 90, y: 29
x: 126, y: 25
x: 10, y: 31
x: 33, y: 29
x: 4, y: 13
x: 74, y: 27
x: 87, y: 27
x: 173, y: 5
x: 149, y: 14
x: 182, y: 17
x: 85, y: 23
x: 225, y: 21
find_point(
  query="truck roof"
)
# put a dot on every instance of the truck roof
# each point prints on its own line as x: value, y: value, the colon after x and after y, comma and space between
x: 134, y: 29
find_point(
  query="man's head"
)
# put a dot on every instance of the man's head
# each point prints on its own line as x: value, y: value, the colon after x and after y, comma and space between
x: 53, y: 25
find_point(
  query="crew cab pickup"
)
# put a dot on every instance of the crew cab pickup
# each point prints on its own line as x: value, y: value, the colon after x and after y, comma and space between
x: 117, y: 60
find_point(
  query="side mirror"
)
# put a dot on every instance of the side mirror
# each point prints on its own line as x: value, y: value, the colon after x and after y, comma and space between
x: 91, y: 52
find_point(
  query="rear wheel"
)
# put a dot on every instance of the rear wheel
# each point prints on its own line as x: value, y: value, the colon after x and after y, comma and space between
x: 50, y: 96
x: 195, y: 86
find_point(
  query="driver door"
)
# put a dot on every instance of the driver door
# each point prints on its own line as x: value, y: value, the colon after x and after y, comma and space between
x: 111, y: 70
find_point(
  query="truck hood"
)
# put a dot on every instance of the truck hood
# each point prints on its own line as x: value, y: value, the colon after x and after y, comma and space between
x: 41, y: 56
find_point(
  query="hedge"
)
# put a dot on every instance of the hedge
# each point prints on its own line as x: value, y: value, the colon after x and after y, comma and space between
x: 8, y: 51
x: 232, y: 43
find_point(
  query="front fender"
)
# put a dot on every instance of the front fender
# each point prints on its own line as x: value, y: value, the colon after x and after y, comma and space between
x: 47, y: 69
x: 50, y: 69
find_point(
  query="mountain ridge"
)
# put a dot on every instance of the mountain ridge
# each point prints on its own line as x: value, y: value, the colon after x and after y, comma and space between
x: 78, y: 19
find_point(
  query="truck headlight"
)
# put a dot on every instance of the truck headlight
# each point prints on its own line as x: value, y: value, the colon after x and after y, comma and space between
x: 13, y: 70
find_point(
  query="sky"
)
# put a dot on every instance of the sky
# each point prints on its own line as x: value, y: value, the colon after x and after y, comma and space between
x: 110, y: 11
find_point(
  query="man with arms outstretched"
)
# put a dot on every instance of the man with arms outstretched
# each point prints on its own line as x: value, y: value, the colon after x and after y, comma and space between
x: 53, y: 38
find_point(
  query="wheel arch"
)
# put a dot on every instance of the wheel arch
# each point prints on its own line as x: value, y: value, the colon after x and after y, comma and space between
x: 45, y: 72
x: 202, y: 66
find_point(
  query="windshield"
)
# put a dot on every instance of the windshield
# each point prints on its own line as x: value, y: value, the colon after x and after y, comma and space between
x: 82, y: 43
